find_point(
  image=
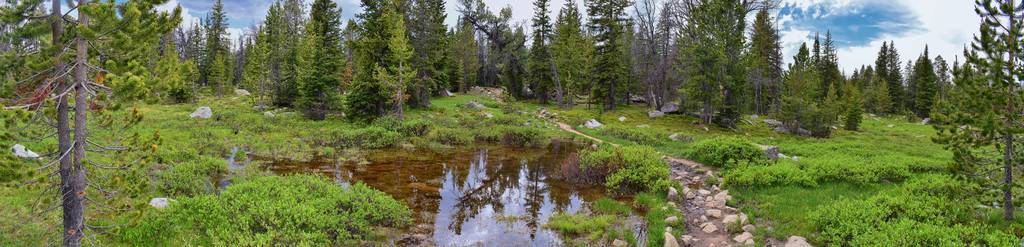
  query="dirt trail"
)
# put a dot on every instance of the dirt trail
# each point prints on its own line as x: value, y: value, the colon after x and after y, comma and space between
x: 708, y: 220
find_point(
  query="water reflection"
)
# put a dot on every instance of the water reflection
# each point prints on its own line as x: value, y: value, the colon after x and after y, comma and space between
x: 470, y: 196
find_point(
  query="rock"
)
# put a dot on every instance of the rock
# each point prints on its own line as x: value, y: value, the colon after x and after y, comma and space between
x: 743, y: 218
x: 714, y: 213
x: 159, y: 202
x: 772, y: 152
x: 643, y: 126
x: 926, y: 121
x: 622, y: 118
x: 797, y: 241
x: 703, y: 218
x: 488, y: 115
x: 671, y: 219
x: 546, y: 114
x: 803, y: 132
x: 773, y: 122
x: 796, y: 158
x: 680, y: 138
x: 708, y: 227
x: 690, y: 195
x: 742, y: 238
x: 21, y: 152
x: 749, y: 228
x: 723, y: 196
x: 655, y: 114
x: 202, y: 113
x: 731, y: 219
x: 637, y: 99
x: 242, y: 92
x: 269, y: 114
x: 475, y: 105
x: 593, y: 124
x: 619, y: 243
x: 673, y: 195
x: 687, y: 240
x: 781, y: 129
x: 670, y: 241
x: 703, y: 192
x: 447, y: 93
x: 670, y: 108
x: 749, y: 242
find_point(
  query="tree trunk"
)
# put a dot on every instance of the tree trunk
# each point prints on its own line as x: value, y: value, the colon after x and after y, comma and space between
x: 1008, y: 159
x: 558, y: 84
x: 74, y: 190
x: 401, y: 93
x: 72, y: 233
x: 1008, y: 178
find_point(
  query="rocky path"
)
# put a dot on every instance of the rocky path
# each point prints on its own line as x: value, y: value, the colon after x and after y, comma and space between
x: 709, y: 222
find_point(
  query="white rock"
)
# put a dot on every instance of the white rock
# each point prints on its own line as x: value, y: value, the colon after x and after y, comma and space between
x: 670, y: 241
x: 708, y: 227
x: 22, y: 152
x: 488, y: 115
x: 669, y: 108
x: 723, y: 196
x: 447, y: 93
x: 926, y: 121
x: 269, y: 114
x: 891, y: 126
x: 159, y: 202
x: 673, y: 195
x: 687, y: 239
x: 202, y: 113
x: 671, y: 219
x: 743, y: 237
x: 619, y: 243
x: 593, y: 124
x: 242, y: 92
x: 730, y: 220
x: 703, y: 192
x: 797, y: 241
x: 655, y: 114
x: 622, y: 118
x: 714, y: 213
x: 475, y: 105
x: 643, y: 126
x: 749, y: 228
x: 743, y: 218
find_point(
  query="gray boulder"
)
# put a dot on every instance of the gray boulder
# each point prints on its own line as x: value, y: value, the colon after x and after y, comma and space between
x: 21, y: 152
x: 593, y: 124
x: 159, y: 202
x: 475, y: 105
x: 242, y: 92
x: 772, y: 152
x: 797, y: 241
x: 670, y: 108
x: 773, y: 122
x: 202, y: 113
x: 655, y: 114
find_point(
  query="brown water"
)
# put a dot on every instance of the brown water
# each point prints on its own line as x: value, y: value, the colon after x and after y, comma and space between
x: 491, y: 195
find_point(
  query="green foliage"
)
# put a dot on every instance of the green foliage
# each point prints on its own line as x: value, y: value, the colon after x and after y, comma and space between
x: 725, y: 152
x: 369, y: 137
x: 609, y: 206
x: 753, y: 175
x: 521, y: 136
x: 413, y: 127
x: 854, y: 105
x: 609, y: 69
x: 629, y: 168
x: 657, y: 210
x: 451, y: 136
x: 299, y: 210
x: 192, y: 178
x: 635, y: 135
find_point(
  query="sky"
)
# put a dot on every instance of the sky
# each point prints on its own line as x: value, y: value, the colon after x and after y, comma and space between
x: 858, y: 26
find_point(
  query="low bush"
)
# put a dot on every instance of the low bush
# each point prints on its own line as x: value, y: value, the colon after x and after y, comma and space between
x: 369, y: 137
x: 725, y: 152
x: 656, y: 210
x: 598, y: 230
x: 449, y: 136
x: 297, y: 210
x: 629, y: 169
x: 191, y: 178
x: 415, y: 127
x: 635, y: 135
x: 522, y: 136
x: 761, y: 174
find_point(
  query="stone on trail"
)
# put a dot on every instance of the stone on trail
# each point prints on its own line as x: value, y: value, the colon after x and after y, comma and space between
x: 749, y: 228
x: 731, y: 220
x: 159, y: 202
x: 673, y: 195
x: 797, y: 241
x: 714, y: 213
x: 593, y: 124
x: 742, y: 238
x: 703, y: 192
x: 655, y: 114
x: 242, y: 92
x: 687, y: 240
x: 708, y: 227
x: 21, y: 152
x: 670, y: 241
x: 202, y: 113
x: 619, y: 243
x: 671, y: 219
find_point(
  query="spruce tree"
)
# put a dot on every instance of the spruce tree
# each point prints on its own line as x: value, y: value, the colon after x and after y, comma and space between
x: 367, y: 98
x: 854, y: 107
x: 572, y: 51
x: 429, y: 40
x: 607, y: 17
x: 540, y: 69
x: 396, y: 77
x: 464, y: 49
x: 765, y: 59
x: 925, y: 85
x: 320, y: 60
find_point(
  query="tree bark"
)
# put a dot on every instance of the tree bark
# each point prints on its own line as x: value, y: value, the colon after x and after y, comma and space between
x: 72, y: 233
x: 74, y: 190
x: 1008, y: 178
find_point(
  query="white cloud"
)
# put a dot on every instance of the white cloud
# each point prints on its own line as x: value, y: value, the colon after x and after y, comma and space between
x: 187, y: 20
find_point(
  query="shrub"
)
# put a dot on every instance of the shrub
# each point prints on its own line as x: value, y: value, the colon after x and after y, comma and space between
x: 725, y: 152
x: 508, y: 119
x: 759, y: 174
x: 638, y: 136
x: 415, y: 127
x: 297, y: 210
x: 191, y: 178
x: 629, y: 168
x: 370, y: 137
x: 521, y: 136
x: 449, y: 136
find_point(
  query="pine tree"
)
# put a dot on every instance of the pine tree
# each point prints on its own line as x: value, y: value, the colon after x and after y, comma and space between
x: 607, y: 18
x: 429, y: 40
x: 320, y: 59
x: 572, y: 52
x: 854, y: 107
x: 367, y: 98
x: 256, y: 74
x: 541, y: 74
x: 396, y: 77
x: 984, y: 113
x: 216, y: 67
x: 765, y: 58
x: 710, y: 48
x: 176, y: 77
x: 464, y: 50
x: 925, y: 85
x: 887, y: 69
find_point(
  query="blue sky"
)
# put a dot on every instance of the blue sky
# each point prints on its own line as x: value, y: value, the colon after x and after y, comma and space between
x: 858, y: 26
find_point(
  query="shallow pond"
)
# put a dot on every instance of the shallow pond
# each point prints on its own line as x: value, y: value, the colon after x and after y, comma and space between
x: 468, y: 196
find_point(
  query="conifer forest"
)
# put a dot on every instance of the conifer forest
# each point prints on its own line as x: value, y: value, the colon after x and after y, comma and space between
x: 511, y: 123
